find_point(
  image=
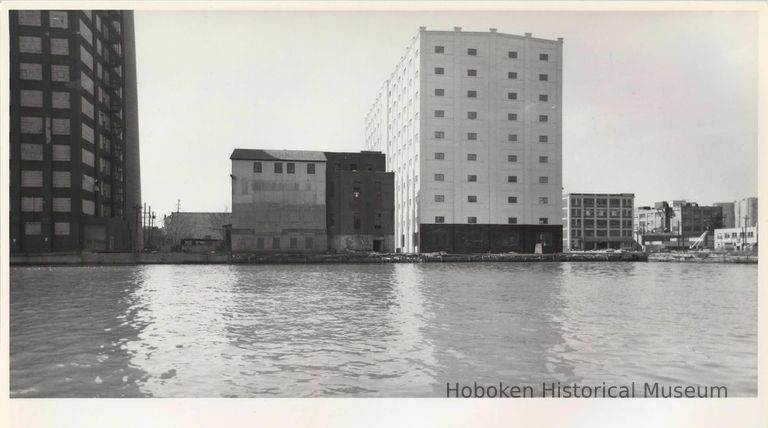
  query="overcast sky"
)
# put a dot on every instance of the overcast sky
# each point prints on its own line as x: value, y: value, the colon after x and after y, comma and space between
x: 660, y: 104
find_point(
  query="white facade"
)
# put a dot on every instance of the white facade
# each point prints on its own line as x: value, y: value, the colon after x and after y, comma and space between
x: 471, y: 124
x: 735, y: 238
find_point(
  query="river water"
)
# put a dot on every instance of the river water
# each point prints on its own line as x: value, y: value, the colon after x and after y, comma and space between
x: 394, y: 330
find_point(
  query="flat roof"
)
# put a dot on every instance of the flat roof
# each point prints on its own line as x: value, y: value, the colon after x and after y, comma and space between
x: 286, y: 155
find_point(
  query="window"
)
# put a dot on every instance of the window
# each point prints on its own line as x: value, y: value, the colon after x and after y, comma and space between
x: 29, y: 17
x: 29, y: 71
x: 32, y: 228
x: 511, y: 179
x: 543, y: 180
x: 439, y: 135
x: 512, y: 75
x: 28, y: 44
x: 439, y: 92
x: 543, y: 118
x: 58, y: 19
x: 439, y: 219
x: 543, y: 77
x: 472, y: 178
x: 512, y: 54
x: 308, y: 243
x: 511, y: 158
x: 353, y: 167
x: 356, y: 221
x: 257, y: 167
x: 471, y: 220
x: 260, y: 242
x: 61, y: 229
x: 471, y: 94
x: 60, y: 73
x: 439, y: 198
x: 543, y: 220
x: 543, y: 159
x: 511, y: 199
x: 472, y: 52
x: 439, y: 113
x: 543, y: 138
x: 31, y: 125
x: 310, y: 168
x: 543, y: 57
x: 511, y: 95
x: 511, y: 116
x: 472, y: 72
x: 439, y: 155
x: 471, y: 198
x: 471, y: 115
x: 543, y: 200
x: 278, y: 168
x: 276, y: 243
x: 294, y: 243
x: 471, y: 156
x: 511, y: 220
x: 543, y: 97
x: 291, y: 168
x: 439, y: 49
x: 472, y: 136
x: 439, y: 177
x: 439, y: 70
x: 512, y: 137
x: 60, y: 99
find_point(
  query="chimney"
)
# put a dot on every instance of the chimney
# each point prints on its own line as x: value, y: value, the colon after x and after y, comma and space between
x: 456, y: 28
x: 528, y: 34
x: 492, y: 30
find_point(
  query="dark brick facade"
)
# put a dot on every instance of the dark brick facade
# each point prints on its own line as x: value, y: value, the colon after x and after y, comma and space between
x: 494, y: 238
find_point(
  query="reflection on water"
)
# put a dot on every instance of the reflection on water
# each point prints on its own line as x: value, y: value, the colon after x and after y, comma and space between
x: 397, y: 330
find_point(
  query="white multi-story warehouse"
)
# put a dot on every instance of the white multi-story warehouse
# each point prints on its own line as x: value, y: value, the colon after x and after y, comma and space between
x: 471, y: 124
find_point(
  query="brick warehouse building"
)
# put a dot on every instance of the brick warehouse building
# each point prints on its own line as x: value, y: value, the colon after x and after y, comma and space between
x: 471, y: 125
x: 359, y: 201
x: 74, y: 144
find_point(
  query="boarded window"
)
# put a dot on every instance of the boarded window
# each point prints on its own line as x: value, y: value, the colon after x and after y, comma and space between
x: 62, y: 205
x: 89, y: 207
x: 58, y: 19
x: 86, y: 57
x: 30, y: 98
x: 85, y: 32
x: 61, y: 153
x: 28, y: 44
x: 60, y: 73
x: 31, y: 204
x: 87, y: 133
x: 31, y: 125
x: 32, y: 228
x: 88, y: 157
x: 60, y: 99
x: 29, y: 17
x: 60, y: 46
x: 86, y: 82
x: 61, y: 229
x: 60, y: 126
x: 88, y: 183
x: 62, y: 179
x: 28, y: 71
x: 31, y: 178
x: 32, y: 152
x: 86, y: 107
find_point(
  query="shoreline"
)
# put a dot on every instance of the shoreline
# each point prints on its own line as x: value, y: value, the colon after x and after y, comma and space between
x: 119, y: 259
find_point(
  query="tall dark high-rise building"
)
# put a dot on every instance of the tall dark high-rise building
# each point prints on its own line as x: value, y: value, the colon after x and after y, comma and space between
x: 74, y: 143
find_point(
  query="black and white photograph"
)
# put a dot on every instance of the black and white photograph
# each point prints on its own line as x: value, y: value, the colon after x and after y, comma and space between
x: 227, y: 201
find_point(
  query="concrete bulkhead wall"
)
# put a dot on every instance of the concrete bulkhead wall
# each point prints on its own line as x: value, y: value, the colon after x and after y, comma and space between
x: 361, y: 242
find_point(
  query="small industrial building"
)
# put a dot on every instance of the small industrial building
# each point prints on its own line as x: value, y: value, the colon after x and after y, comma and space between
x: 736, y: 238
x: 677, y: 224
x: 196, y: 232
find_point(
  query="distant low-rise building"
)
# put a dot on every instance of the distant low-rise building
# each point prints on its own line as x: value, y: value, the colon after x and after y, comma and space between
x: 594, y: 221
x: 736, y: 238
x: 676, y: 224
x: 745, y: 212
x: 360, y: 202
x: 196, y: 231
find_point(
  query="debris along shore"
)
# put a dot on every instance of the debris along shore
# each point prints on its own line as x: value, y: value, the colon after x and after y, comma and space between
x: 703, y: 257
x: 89, y: 259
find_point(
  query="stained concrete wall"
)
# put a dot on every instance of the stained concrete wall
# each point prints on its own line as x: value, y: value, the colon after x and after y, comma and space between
x: 271, y: 208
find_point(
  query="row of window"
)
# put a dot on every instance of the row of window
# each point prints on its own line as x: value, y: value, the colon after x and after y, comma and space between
x: 510, y: 178
x: 472, y: 72
x: 34, y: 228
x: 440, y: 92
x: 440, y: 49
x: 473, y: 220
x: 473, y: 136
x: 473, y: 115
x: 473, y: 157
x: 293, y: 243
x: 601, y: 233
x: 588, y: 223
x: 588, y: 212
x: 613, y: 202
x: 278, y: 167
x: 510, y: 199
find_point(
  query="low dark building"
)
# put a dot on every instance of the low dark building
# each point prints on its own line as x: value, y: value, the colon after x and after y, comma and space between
x: 359, y: 202
x: 493, y: 238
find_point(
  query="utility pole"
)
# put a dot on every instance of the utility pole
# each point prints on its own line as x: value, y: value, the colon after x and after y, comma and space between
x: 178, y: 205
x: 144, y: 225
x: 136, y: 227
